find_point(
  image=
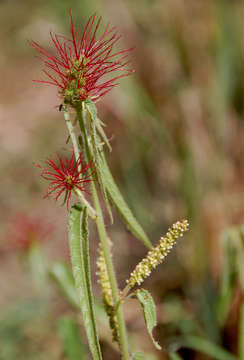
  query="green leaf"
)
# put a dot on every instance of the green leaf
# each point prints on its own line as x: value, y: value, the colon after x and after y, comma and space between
x: 65, y: 281
x: 149, y: 312
x: 62, y: 275
x: 92, y: 109
x: 106, y: 180
x: 121, y: 206
x: 241, y: 334
x: 139, y: 356
x: 96, y: 148
x: 38, y: 267
x: 206, y: 347
x: 70, y: 333
x: 174, y: 356
x: 228, y: 277
x: 79, y: 251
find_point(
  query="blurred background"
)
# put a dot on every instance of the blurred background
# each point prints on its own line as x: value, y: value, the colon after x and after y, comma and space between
x: 176, y: 128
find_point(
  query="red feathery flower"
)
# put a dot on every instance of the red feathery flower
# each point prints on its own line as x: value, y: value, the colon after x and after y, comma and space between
x: 80, y: 65
x: 25, y: 230
x: 66, y: 176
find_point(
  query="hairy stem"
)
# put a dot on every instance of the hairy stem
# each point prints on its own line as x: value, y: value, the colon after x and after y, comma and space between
x: 106, y: 249
x: 78, y: 193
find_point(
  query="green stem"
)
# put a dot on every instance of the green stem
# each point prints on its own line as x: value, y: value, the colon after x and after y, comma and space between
x: 106, y: 249
x: 124, y: 292
x: 77, y: 192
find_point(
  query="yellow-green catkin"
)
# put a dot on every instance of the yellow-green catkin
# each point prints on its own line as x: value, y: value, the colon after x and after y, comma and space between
x: 107, y: 294
x: 157, y: 254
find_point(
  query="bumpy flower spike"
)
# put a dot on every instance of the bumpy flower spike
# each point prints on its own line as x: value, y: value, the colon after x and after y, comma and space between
x: 107, y: 294
x: 157, y: 255
x: 67, y: 176
x: 80, y: 65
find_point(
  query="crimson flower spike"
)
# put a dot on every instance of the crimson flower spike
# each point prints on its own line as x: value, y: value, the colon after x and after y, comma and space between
x: 80, y: 65
x: 65, y: 176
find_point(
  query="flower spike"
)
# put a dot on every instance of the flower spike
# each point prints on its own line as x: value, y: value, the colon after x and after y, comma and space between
x: 107, y: 294
x: 80, y: 65
x: 157, y: 254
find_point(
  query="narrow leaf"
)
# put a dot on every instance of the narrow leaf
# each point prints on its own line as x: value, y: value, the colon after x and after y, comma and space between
x: 91, y: 107
x: 149, y: 312
x: 70, y: 333
x: 96, y: 147
x: 121, y: 206
x: 228, y: 277
x: 139, y: 356
x: 78, y: 239
x: 175, y: 356
x: 107, y: 182
x: 208, y: 348
x: 62, y: 275
x: 38, y: 266
x: 65, y: 281
x: 99, y: 126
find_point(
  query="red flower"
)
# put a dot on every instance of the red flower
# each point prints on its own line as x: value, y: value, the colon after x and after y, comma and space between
x: 80, y: 65
x: 25, y: 230
x: 66, y: 176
